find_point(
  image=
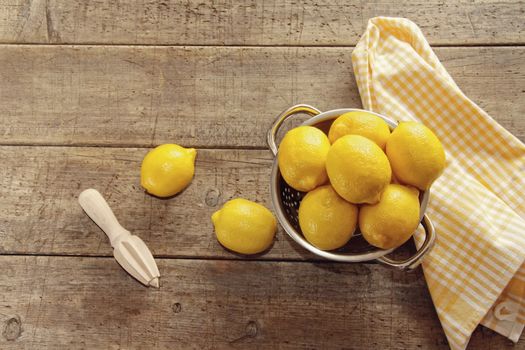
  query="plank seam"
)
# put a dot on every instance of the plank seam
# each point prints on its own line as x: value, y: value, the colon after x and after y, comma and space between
x: 80, y: 145
x: 453, y: 45
x: 184, y: 257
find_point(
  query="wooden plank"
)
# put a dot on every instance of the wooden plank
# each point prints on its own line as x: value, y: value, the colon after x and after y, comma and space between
x: 90, y: 303
x: 40, y: 213
x: 252, y: 22
x: 141, y: 96
x: 39, y: 187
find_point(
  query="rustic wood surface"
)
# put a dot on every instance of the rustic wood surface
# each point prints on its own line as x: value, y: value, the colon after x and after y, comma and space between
x: 41, y: 214
x: 86, y: 95
x: 252, y: 22
x: 87, y: 87
x: 61, y: 302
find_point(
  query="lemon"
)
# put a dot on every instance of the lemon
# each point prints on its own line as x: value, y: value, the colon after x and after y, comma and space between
x: 302, y: 158
x: 327, y: 220
x: 244, y: 226
x: 167, y: 169
x: 358, y: 169
x: 416, y: 155
x: 360, y: 123
x: 392, y: 221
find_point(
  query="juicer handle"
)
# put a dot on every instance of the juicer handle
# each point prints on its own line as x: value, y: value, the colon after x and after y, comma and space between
x: 272, y: 133
x: 99, y: 211
x: 414, y: 261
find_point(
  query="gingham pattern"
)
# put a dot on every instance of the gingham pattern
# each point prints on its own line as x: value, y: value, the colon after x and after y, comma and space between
x: 478, y: 204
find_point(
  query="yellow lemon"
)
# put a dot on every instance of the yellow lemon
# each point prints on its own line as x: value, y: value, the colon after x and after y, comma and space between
x: 167, y: 169
x: 360, y: 123
x: 393, y: 220
x: 416, y: 155
x: 302, y: 158
x: 358, y: 169
x: 244, y: 226
x: 327, y: 220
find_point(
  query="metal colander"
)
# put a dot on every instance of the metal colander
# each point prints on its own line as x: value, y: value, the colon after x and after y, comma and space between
x: 286, y: 201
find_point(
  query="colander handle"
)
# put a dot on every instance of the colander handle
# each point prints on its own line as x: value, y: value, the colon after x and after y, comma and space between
x: 272, y: 133
x: 414, y: 261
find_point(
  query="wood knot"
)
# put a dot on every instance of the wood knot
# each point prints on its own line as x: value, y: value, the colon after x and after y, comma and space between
x: 13, y: 328
x: 134, y: 312
x: 212, y: 197
x: 251, y: 329
x: 177, y: 307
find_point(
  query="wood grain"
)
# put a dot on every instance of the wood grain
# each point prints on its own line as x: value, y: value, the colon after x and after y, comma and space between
x: 252, y: 22
x: 56, y: 99
x: 91, y: 303
x: 39, y: 187
x: 143, y: 96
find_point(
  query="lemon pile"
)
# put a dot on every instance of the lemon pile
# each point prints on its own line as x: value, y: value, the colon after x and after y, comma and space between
x: 360, y: 174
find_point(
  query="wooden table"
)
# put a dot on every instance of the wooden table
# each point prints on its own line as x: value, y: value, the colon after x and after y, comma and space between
x: 88, y: 87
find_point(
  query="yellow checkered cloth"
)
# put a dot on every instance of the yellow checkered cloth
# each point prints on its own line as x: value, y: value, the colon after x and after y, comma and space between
x: 476, y: 271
